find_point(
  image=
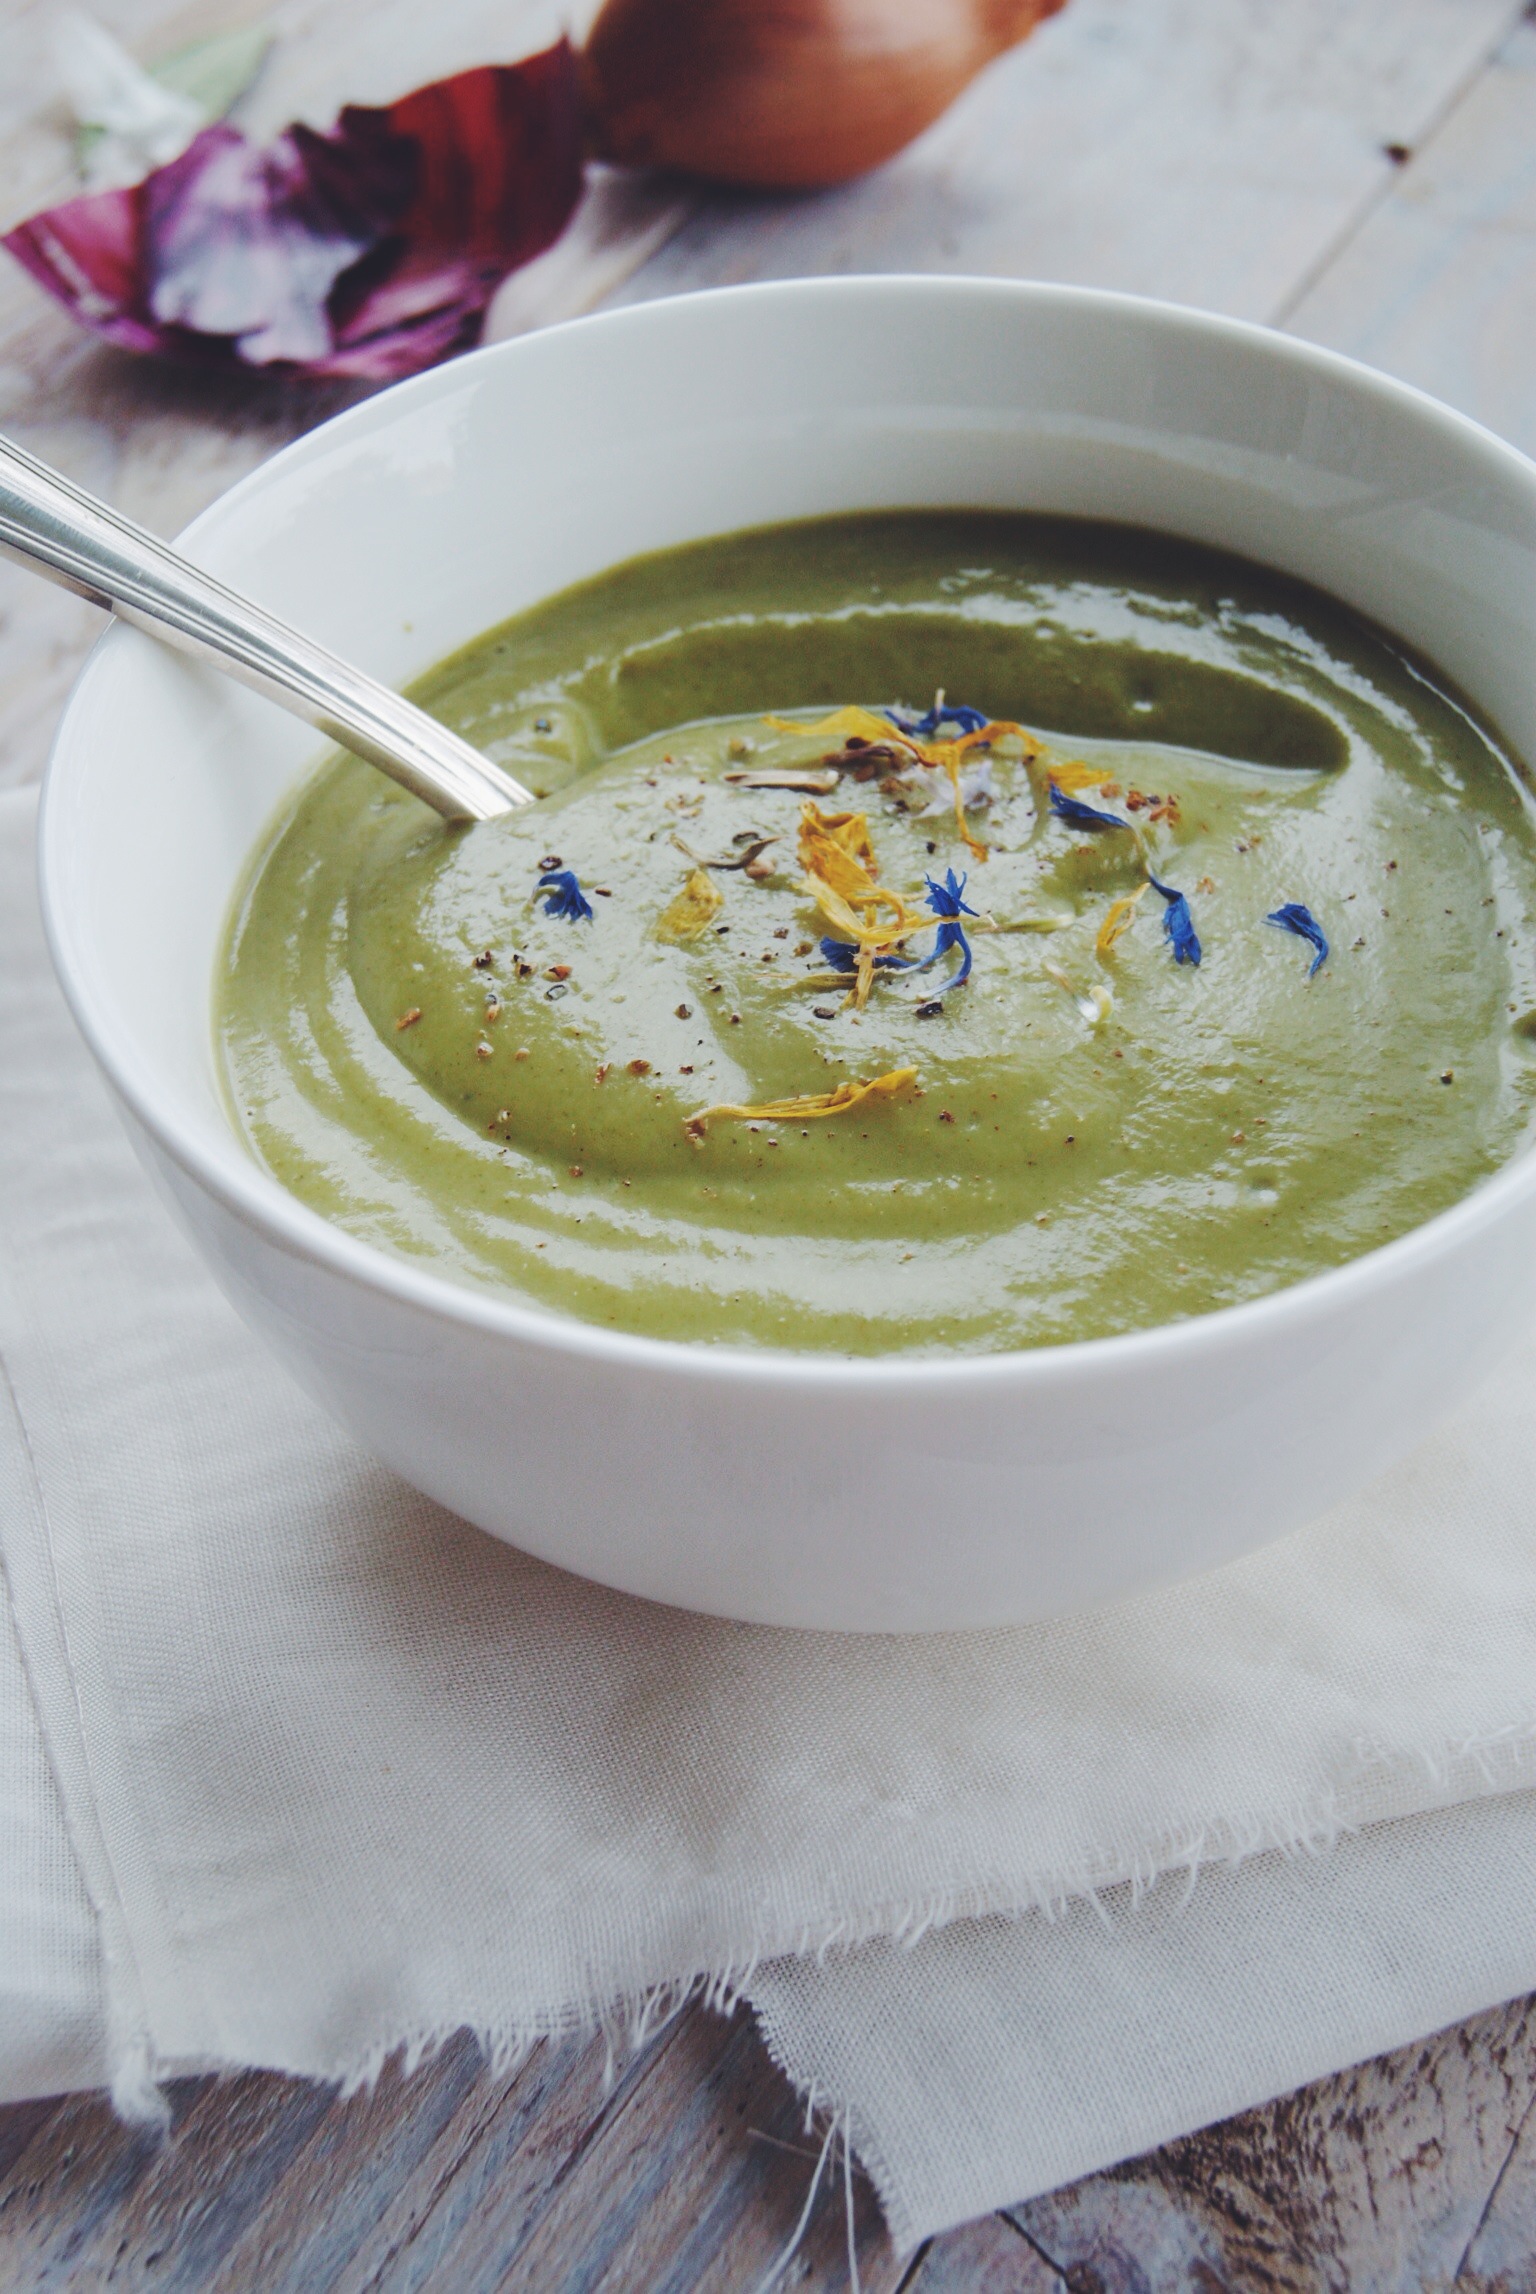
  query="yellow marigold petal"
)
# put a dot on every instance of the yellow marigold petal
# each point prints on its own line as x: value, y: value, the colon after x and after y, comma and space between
x: 1118, y: 917
x: 845, y: 724
x: 835, y: 846
x: 839, y: 862
x: 811, y: 1104
x: 1077, y: 775
x: 861, y: 925
x: 694, y: 909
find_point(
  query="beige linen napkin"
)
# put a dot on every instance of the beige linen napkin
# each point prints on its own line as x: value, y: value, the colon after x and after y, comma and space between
x: 1002, y: 2058
x: 343, y: 1773
x: 993, y: 2059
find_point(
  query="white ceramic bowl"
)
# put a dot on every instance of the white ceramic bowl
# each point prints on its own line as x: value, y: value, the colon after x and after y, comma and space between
x: 800, y: 1490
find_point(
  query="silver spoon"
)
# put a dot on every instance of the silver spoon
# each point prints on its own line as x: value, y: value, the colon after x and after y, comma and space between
x: 71, y: 538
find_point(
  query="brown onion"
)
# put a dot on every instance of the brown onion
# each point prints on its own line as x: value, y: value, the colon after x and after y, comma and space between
x: 784, y: 94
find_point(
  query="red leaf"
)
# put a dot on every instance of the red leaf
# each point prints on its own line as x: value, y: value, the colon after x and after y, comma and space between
x: 370, y: 251
x: 88, y: 254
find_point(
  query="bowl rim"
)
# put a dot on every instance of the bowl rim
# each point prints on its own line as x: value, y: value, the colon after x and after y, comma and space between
x: 243, y: 1188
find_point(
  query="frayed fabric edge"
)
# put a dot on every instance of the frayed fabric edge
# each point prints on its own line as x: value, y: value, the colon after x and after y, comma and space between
x: 837, y: 2116
x: 1475, y: 1767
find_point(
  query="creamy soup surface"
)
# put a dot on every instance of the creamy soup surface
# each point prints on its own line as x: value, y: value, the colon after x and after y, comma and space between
x: 920, y: 946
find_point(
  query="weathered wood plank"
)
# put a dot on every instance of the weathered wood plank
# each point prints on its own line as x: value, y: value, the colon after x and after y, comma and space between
x: 505, y: 2163
x: 1369, y: 2183
x: 1439, y: 284
x: 65, y: 2186
x: 1183, y: 147
x: 1193, y: 149
x: 1501, y: 2257
x: 20, y: 2125
x: 695, y: 2182
x: 692, y: 2172
x: 255, y: 2151
x: 280, y: 2183
x: 991, y: 2256
x: 690, y: 2169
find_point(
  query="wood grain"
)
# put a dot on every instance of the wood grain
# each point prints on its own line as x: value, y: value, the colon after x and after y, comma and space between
x: 1196, y: 149
x: 1439, y: 283
x: 992, y: 2256
x: 1369, y: 2182
x: 689, y: 2170
x: 1199, y: 149
x: 1501, y: 2256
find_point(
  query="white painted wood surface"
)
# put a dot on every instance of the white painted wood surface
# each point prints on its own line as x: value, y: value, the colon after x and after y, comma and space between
x: 1210, y: 151
x: 1226, y: 152
x: 1438, y: 283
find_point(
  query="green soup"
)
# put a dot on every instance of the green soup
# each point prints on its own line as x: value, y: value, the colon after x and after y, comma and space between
x: 1147, y: 1100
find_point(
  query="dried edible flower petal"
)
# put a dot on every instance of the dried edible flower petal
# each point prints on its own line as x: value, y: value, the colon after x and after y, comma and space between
x: 1178, y: 924
x: 566, y: 898
x: 1078, y: 775
x: 949, y: 906
x: 835, y: 846
x: 753, y: 848
x: 693, y: 911
x: 942, y: 713
x: 815, y: 1103
x: 370, y: 251
x: 1293, y: 917
x: 843, y: 725
x: 1118, y: 919
x: 843, y: 956
x: 942, y: 756
x: 949, y: 756
x: 839, y: 861
x: 808, y: 784
x: 1076, y: 814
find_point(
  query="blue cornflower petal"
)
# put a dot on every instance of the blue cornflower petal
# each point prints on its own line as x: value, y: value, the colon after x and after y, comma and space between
x: 1178, y: 923
x: 951, y: 934
x: 843, y: 956
x: 566, y: 897
x: 1076, y: 814
x: 1293, y: 917
x: 952, y: 713
x: 946, y: 899
x: 948, y: 904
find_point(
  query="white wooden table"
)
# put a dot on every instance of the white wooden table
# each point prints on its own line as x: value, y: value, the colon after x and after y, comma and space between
x: 1362, y: 172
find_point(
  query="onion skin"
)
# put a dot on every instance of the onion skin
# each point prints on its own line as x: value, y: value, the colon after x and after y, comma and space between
x: 783, y: 94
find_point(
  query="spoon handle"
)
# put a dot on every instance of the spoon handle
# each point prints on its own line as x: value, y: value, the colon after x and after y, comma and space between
x: 67, y: 535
